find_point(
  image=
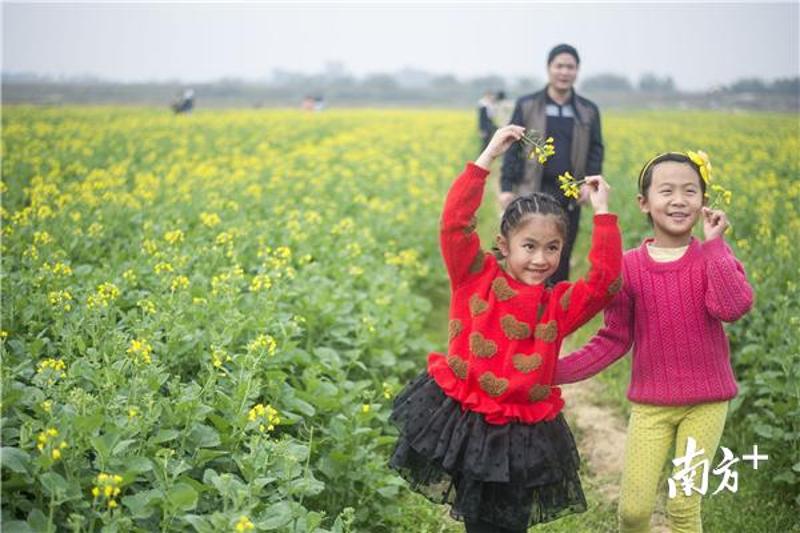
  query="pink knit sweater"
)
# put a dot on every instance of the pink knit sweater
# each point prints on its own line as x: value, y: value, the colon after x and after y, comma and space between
x: 672, y: 313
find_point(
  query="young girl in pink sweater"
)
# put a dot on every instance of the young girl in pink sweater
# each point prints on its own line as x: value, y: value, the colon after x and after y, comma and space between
x: 676, y: 293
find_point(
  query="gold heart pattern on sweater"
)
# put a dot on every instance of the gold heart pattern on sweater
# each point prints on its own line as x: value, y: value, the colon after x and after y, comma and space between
x: 457, y: 365
x: 502, y: 290
x: 477, y: 262
x: 454, y: 327
x: 539, y: 392
x: 514, y: 329
x: 480, y: 346
x: 565, y: 298
x: 527, y: 363
x: 469, y: 228
x: 477, y: 305
x: 547, y: 332
x: 493, y: 385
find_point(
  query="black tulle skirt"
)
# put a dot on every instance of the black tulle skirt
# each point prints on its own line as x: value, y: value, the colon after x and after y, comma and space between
x: 513, y: 475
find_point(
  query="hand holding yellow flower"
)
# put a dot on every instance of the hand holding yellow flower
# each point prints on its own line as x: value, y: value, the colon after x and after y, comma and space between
x: 570, y: 187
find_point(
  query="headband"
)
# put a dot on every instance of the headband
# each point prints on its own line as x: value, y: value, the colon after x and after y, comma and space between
x: 699, y: 158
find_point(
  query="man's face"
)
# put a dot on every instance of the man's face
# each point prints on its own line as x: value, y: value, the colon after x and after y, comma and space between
x: 562, y: 71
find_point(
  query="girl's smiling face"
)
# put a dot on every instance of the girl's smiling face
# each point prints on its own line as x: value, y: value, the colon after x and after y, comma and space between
x: 674, y: 201
x: 533, y: 249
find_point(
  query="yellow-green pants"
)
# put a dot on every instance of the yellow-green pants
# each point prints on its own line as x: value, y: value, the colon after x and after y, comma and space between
x: 652, y: 431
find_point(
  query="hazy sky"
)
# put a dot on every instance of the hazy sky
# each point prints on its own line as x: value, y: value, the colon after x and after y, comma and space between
x: 698, y: 44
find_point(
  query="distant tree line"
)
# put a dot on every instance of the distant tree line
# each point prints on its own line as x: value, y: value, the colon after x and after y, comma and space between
x: 404, y: 87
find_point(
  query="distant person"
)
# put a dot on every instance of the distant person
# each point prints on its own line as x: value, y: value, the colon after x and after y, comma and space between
x: 574, y: 124
x: 319, y: 103
x: 502, y: 108
x: 308, y: 103
x: 486, y: 124
x: 184, y: 103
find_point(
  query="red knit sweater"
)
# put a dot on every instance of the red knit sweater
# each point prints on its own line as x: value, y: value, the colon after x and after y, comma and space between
x: 505, y: 335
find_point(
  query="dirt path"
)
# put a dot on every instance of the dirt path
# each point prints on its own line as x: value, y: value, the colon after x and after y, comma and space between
x: 601, y: 442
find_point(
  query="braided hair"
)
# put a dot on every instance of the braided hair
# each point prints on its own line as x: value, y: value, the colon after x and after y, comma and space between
x: 537, y: 203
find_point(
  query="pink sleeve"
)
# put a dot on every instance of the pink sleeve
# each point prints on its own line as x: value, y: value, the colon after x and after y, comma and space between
x: 728, y: 294
x: 609, y: 344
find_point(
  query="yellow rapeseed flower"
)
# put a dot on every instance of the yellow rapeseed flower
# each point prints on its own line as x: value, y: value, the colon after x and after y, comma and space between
x: 209, y: 220
x: 244, y: 524
x: 174, y: 236
x: 140, y: 350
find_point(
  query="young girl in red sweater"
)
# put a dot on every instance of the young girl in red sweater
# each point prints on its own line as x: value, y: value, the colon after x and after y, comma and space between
x: 677, y: 292
x: 482, y: 427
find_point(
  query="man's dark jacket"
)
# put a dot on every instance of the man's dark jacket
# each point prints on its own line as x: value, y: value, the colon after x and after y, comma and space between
x: 524, y: 175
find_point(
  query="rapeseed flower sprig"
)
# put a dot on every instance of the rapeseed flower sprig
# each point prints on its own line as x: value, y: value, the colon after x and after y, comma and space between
x: 243, y: 524
x: 107, y: 488
x: 219, y: 356
x: 46, y: 443
x: 263, y: 343
x: 106, y: 293
x: 61, y: 299
x: 265, y: 416
x: 140, y: 351
x: 721, y: 195
x: 51, y: 369
x: 541, y: 148
x: 570, y: 186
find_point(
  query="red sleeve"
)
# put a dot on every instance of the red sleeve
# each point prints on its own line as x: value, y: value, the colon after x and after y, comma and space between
x: 581, y: 300
x: 461, y: 247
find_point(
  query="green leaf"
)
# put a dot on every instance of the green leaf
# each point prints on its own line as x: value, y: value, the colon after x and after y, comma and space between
x: 15, y: 459
x: 88, y: 424
x: 103, y: 444
x: 141, y: 503
x: 328, y: 357
x: 786, y: 477
x: 308, y: 486
x: 122, y: 446
x: 164, y: 435
x: 276, y: 516
x: 220, y: 423
x: 200, y: 524
x: 137, y: 465
x: 296, y: 404
x: 182, y: 496
x: 204, y: 456
x: 764, y: 430
x: 37, y: 520
x: 17, y: 526
x: 203, y: 436
x: 53, y: 483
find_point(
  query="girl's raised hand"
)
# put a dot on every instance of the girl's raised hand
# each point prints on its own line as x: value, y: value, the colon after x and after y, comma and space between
x: 598, y: 193
x: 715, y: 222
x: 502, y: 139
